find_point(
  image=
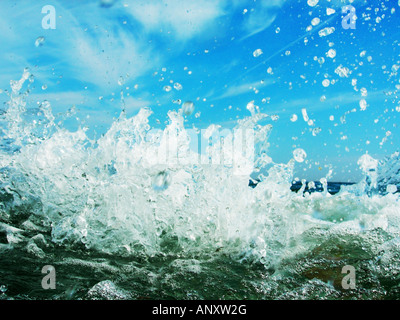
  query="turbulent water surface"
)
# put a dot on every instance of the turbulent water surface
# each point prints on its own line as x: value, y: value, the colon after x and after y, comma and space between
x: 116, y: 223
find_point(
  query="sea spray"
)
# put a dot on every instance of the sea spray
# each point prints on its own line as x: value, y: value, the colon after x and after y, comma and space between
x: 115, y: 196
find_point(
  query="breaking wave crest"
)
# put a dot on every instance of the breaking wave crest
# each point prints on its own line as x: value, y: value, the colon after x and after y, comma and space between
x: 113, y: 195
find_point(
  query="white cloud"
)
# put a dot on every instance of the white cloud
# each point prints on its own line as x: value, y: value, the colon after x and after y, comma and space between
x: 233, y: 91
x: 184, y: 19
x: 261, y: 17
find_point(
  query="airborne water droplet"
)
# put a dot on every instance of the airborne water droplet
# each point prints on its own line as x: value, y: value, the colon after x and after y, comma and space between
x: 364, y: 92
x: 40, y: 41
x: 326, y: 31
x: 305, y: 115
x: 363, y: 104
x: 177, y: 86
x: 330, y: 11
x: 316, y: 131
x: 315, y: 21
x: 343, y: 72
x: 257, y: 53
x: 167, y: 88
x: 331, y: 53
x: 121, y: 81
x: 299, y: 155
x: 312, y: 3
x: 188, y: 108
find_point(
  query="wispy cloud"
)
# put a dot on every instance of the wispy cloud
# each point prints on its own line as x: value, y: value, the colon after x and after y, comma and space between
x: 240, y: 89
x: 182, y: 20
x: 261, y: 17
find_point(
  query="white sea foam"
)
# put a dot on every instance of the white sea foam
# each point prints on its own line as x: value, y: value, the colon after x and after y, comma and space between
x: 113, y: 194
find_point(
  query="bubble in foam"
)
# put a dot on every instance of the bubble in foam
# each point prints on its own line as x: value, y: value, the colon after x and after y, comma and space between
x: 391, y: 188
x: 299, y: 155
x: 161, y: 181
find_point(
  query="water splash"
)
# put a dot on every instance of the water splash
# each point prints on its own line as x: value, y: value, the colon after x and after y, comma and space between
x: 115, y: 196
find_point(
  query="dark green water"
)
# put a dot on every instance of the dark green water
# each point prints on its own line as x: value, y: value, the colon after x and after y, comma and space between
x: 82, y: 274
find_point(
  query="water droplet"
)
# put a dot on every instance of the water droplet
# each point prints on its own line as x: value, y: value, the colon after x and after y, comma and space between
x: 330, y: 11
x: 326, y: 31
x: 312, y: 3
x: 161, y: 181
x: 315, y: 21
x: 277, y: 30
x: 167, y: 88
x: 293, y: 118
x: 257, y: 53
x: 121, y: 81
x: 299, y: 155
x: 326, y: 83
x: 305, y: 115
x: 342, y: 71
x: 44, y: 87
x: 363, y: 104
x: 331, y: 53
x: 177, y: 86
x: 316, y: 131
x: 188, y: 108
x: 3, y: 288
x: 40, y: 41
x: 364, y: 92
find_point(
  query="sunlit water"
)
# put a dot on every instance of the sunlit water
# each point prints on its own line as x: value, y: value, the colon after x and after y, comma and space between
x: 116, y: 224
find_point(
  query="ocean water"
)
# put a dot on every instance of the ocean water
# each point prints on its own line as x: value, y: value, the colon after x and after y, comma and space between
x: 115, y: 222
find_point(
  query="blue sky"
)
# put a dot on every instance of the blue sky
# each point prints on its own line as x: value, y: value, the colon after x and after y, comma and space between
x: 207, y: 47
